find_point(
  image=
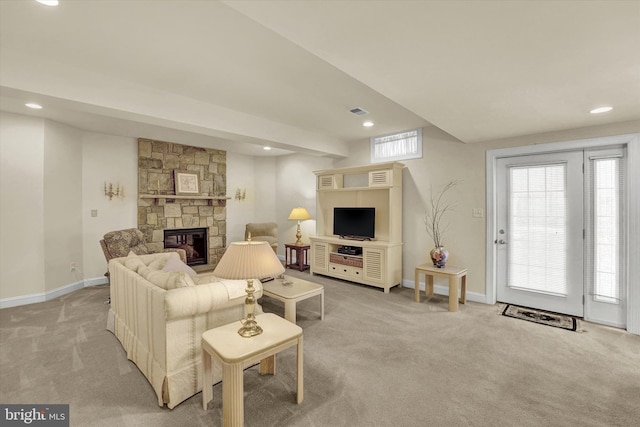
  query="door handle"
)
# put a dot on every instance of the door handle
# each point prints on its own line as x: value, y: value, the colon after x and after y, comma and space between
x: 502, y: 242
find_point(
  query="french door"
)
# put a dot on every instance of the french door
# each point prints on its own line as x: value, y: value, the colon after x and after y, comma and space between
x: 561, y: 236
x: 540, y: 260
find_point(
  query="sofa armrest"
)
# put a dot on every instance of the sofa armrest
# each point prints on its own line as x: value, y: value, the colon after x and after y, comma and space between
x: 200, y: 299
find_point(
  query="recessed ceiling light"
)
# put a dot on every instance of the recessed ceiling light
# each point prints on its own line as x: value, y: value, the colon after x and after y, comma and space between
x: 601, y: 110
x: 367, y: 124
x: 48, y: 2
x: 34, y: 106
x: 266, y: 148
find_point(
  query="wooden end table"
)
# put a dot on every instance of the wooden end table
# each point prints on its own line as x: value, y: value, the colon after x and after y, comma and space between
x: 224, y: 345
x: 450, y: 272
x: 302, y: 256
x: 296, y: 290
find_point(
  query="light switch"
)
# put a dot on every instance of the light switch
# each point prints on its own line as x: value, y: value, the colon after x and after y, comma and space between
x: 478, y: 212
x: 94, y: 212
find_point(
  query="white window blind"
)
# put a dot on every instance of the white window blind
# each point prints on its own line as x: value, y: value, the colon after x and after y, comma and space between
x: 398, y: 146
x: 604, y: 255
x: 537, y: 228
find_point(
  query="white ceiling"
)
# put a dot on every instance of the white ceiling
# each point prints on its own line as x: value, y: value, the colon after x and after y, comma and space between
x: 285, y: 73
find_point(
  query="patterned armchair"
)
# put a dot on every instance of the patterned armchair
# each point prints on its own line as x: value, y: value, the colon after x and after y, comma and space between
x: 116, y: 244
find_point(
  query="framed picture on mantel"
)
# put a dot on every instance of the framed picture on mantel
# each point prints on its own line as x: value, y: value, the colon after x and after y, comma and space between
x: 187, y: 183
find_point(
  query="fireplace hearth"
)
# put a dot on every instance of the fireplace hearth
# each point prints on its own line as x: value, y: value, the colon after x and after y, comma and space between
x: 192, y: 240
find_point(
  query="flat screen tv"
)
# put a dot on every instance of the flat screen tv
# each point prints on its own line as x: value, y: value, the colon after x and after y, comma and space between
x: 354, y: 223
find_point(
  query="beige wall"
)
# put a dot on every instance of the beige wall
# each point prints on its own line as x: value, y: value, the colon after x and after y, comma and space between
x: 40, y: 205
x: 445, y: 159
x: 274, y: 186
x: 112, y: 159
x: 21, y: 205
x: 256, y: 176
x: 297, y: 188
x: 62, y: 205
x: 49, y: 190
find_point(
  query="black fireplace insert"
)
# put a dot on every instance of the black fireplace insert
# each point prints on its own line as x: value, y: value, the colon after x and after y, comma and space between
x: 192, y: 240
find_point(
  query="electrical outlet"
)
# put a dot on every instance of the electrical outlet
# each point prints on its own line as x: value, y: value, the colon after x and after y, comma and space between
x: 72, y: 267
x: 94, y: 212
x: 478, y: 212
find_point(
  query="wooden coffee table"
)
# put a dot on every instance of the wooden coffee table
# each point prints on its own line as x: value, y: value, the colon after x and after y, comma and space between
x: 290, y: 294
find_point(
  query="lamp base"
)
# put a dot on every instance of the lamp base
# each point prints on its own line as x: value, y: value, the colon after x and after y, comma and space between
x: 250, y: 329
x: 298, y: 236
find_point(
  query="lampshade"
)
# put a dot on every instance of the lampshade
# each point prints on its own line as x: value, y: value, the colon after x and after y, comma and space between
x: 299, y: 214
x: 248, y: 260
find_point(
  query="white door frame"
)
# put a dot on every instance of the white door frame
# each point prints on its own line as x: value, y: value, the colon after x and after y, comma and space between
x: 632, y: 141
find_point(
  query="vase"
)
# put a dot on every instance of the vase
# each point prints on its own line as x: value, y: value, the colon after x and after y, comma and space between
x: 439, y: 256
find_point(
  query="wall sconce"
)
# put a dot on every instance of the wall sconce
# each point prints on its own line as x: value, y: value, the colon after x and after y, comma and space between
x: 110, y: 193
x: 241, y: 194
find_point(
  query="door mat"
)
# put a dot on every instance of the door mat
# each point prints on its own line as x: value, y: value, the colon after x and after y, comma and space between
x: 543, y: 317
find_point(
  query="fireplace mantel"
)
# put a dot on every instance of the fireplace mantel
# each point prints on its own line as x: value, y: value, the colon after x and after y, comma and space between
x: 175, y: 196
x: 220, y: 199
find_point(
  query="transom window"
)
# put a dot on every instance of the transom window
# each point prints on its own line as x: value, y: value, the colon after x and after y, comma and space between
x: 398, y: 146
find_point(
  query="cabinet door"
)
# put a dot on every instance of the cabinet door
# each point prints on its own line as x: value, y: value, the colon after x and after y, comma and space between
x: 330, y: 182
x: 383, y: 178
x: 319, y: 257
x: 374, y: 264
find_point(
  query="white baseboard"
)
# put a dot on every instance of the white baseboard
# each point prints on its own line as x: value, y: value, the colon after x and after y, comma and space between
x: 444, y: 290
x: 46, y: 296
x: 55, y: 293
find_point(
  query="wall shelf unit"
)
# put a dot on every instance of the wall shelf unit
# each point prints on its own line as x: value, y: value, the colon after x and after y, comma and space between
x: 378, y: 186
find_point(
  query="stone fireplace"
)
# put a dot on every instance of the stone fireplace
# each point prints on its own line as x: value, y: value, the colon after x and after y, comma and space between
x: 160, y: 209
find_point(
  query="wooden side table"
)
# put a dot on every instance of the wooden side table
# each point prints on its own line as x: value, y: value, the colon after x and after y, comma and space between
x: 302, y: 256
x: 224, y: 345
x: 450, y: 272
x: 290, y: 294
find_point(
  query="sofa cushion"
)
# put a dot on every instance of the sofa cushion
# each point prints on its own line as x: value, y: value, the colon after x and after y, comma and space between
x: 204, y: 278
x: 235, y: 288
x: 133, y: 262
x: 169, y: 280
x: 176, y: 264
x: 158, y: 263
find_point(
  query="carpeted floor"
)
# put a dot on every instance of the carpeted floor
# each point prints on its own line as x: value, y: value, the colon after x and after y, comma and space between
x: 376, y: 360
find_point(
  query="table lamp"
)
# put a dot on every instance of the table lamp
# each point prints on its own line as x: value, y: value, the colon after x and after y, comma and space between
x: 248, y: 261
x: 299, y: 214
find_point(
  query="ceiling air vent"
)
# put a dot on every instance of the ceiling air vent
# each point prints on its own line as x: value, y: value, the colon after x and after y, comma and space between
x: 358, y: 111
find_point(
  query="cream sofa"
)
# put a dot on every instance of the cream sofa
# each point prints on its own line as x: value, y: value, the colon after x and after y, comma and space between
x: 159, y: 317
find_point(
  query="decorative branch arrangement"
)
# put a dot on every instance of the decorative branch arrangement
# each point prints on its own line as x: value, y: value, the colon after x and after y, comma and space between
x: 434, y: 217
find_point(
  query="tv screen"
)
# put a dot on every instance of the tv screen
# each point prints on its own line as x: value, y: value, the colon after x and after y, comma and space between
x: 356, y: 223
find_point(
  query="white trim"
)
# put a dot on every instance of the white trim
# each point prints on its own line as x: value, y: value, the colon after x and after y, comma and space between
x: 95, y: 281
x: 55, y: 293
x: 633, y: 253
x: 633, y: 241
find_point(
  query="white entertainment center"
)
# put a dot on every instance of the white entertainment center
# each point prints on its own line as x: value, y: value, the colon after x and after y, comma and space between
x: 376, y: 262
